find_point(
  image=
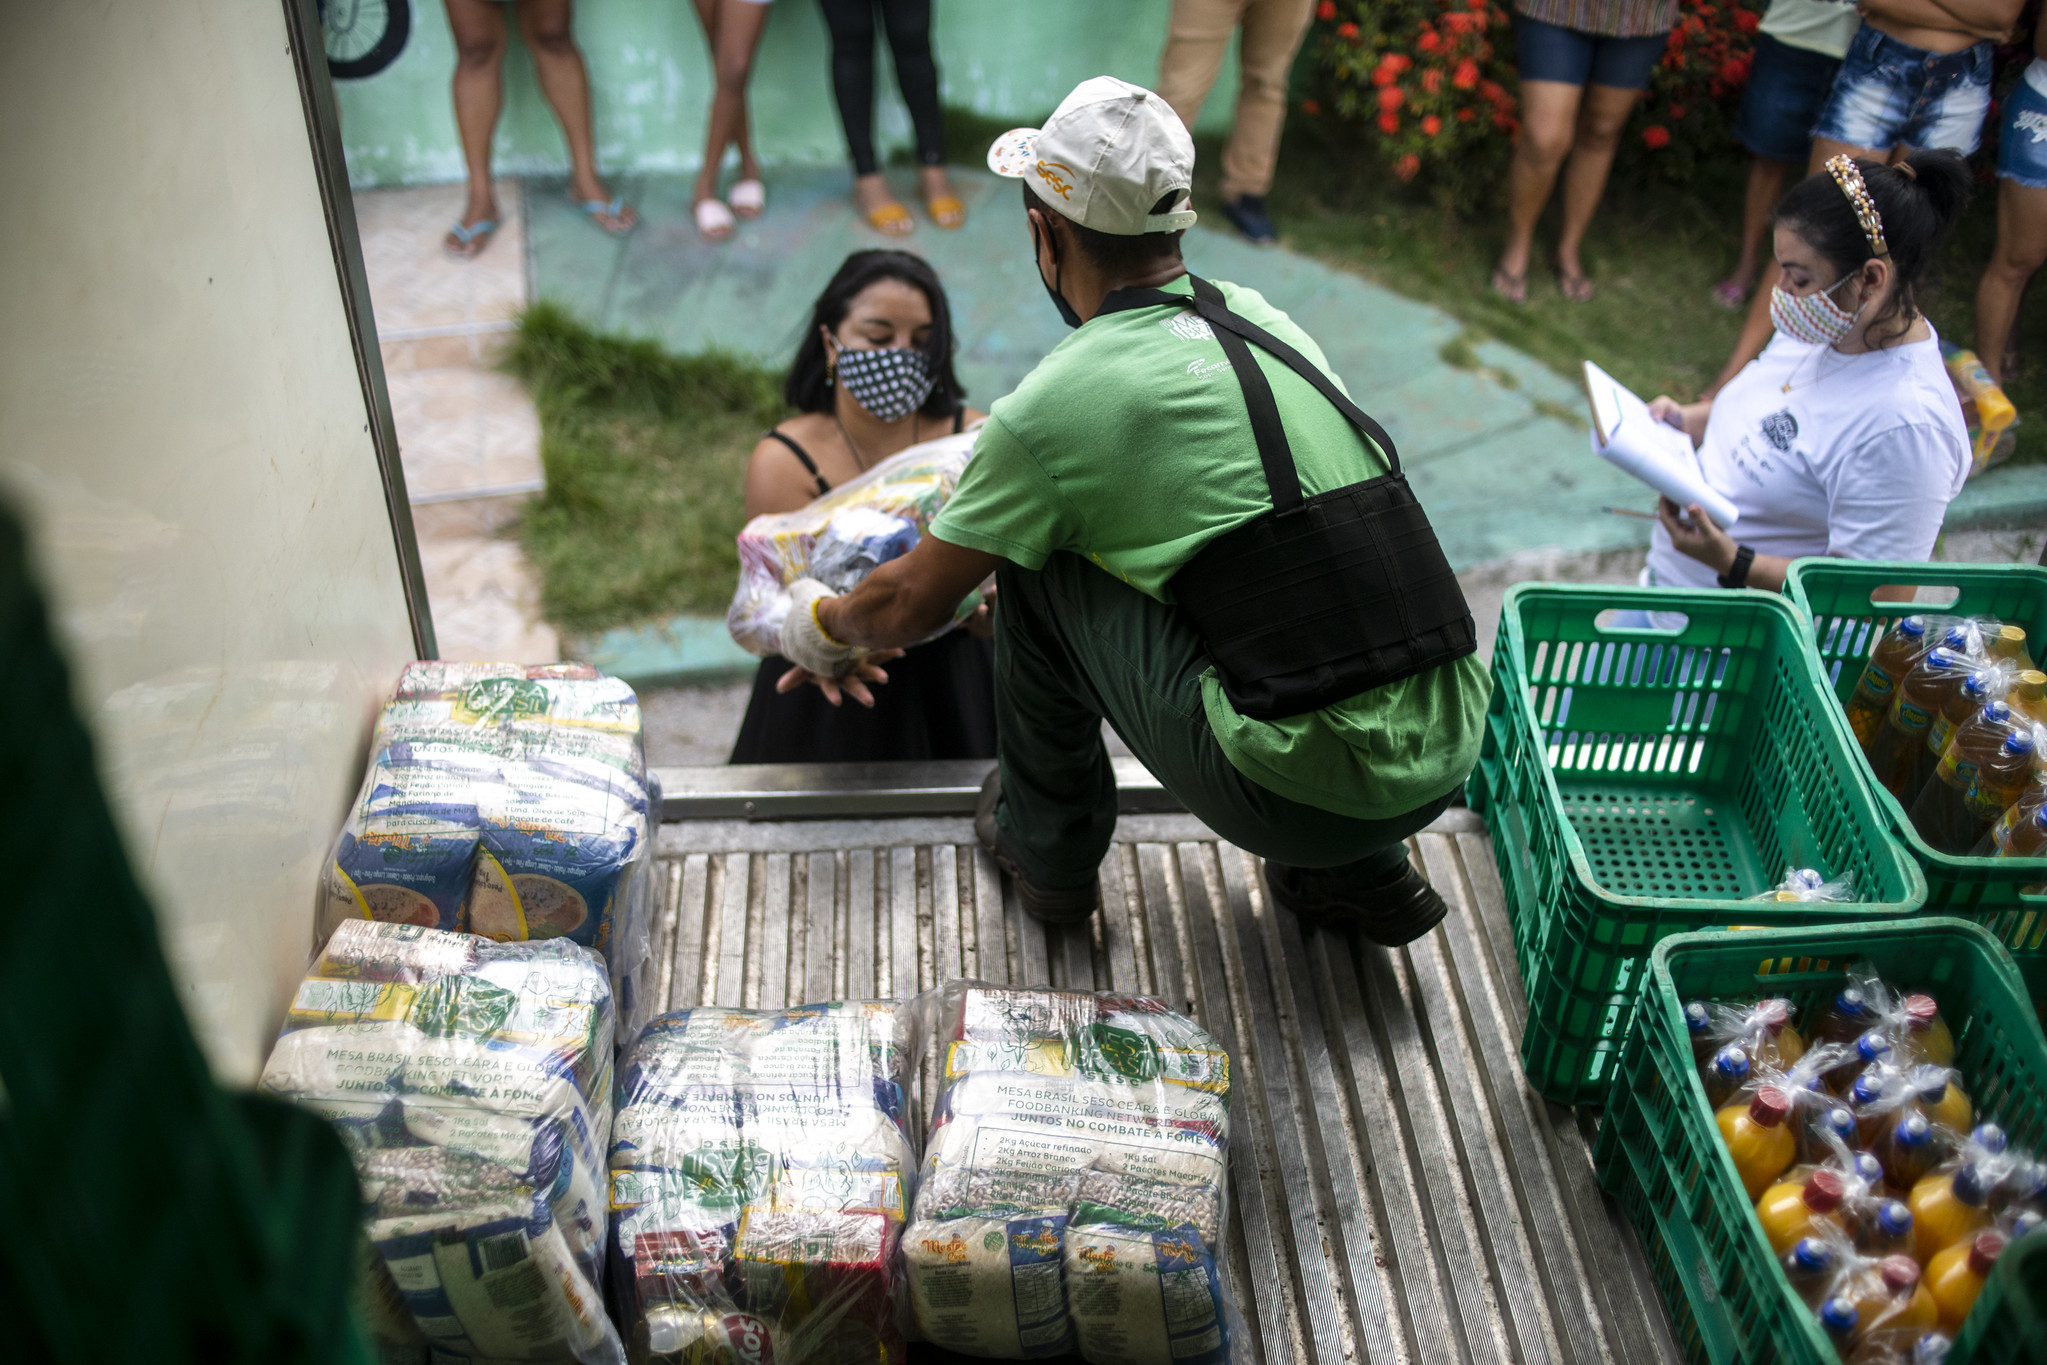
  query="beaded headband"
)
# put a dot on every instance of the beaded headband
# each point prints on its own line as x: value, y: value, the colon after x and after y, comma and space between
x: 1849, y: 177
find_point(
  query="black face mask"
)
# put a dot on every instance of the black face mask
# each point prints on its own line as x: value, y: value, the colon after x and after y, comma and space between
x: 1066, y: 313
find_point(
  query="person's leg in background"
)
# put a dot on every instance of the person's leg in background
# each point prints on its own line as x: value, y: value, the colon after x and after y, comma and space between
x: 1786, y: 89
x: 546, y: 25
x: 732, y: 30
x: 1272, y: 31
x: 909, y: 43
x: 1549, y: 119
x: 851, y: 23
x: 1601, y: 117
x: 1198, y: 34
x: 2021, y: 227
x: 480, y: 36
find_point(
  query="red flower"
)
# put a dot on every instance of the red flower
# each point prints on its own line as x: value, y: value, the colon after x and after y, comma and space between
x: 1490, y: 90
x: 1326, y: 10
x: 1478, y: 5
x: 1383, y: 74
x: 1746, y: 20
x: 1456, y: 21
x: 1677, y: 111
x: 1734, y: 70
x: 1466, y: 114
x: 1390, y: 98
x: 1399, y: 61
x: 1432, y: 126
x: 1656, y: 136
x: 1408, y: 166
x: 1429, y: 41
x: 1432, y: 80
x: 1465, y: 76
x: 1389, y: 124
x: 1311, y: 107
x: 1347, y: 31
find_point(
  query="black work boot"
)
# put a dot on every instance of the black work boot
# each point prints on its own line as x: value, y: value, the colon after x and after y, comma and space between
x: 1045, y: 904
x: 1398, y: 910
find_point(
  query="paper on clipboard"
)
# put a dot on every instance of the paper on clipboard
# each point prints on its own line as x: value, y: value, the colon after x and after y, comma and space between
x: 1627, y: 437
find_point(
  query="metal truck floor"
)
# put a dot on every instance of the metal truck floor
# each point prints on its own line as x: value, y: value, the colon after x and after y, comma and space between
x: 1400, y: 1194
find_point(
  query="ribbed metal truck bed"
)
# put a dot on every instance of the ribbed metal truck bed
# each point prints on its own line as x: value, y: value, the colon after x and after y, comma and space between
x: 1400, y: 1194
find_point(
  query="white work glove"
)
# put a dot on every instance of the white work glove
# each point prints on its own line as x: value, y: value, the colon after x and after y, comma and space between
x: 804, y: 642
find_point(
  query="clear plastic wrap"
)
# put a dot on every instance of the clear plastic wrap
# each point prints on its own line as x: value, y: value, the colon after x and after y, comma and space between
x: 1810, y: 885
x: 1073, y: 1192
x: 759, y: 1168
x: 471, y: 1081
x: 843, y: 536
x: 510, y: 802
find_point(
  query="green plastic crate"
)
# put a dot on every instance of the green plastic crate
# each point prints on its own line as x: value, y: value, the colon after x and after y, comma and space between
x: 1845, y: 625
x: 1643, y: 783
x: 2008, y: 1325
x: 1659, y: 1151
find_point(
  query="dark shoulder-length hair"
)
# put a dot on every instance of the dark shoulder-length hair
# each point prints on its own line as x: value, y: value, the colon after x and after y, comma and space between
x: 808, y: 388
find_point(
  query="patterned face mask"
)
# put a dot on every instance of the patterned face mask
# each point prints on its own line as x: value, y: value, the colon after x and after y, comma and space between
x: 891, y: 383
x: 1812, y: 318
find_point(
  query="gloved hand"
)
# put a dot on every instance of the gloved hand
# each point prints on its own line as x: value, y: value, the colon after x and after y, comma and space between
x: 804, y: 642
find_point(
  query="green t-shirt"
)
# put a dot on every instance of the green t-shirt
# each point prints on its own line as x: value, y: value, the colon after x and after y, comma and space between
x: 1130, y: 444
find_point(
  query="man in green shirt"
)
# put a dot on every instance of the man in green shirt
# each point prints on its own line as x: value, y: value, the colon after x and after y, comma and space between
x: 1121, y: 456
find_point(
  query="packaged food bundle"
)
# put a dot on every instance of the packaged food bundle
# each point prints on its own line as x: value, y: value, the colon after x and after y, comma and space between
x: 510, y: 802
x: 1881, y: 1190
x: 471, y: 1081
x: 759, y: 1169
x: 843, y: 536
x: 1072, y: 1194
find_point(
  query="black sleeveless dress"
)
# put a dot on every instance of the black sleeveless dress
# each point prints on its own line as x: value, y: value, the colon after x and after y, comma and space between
x: 938, y: 702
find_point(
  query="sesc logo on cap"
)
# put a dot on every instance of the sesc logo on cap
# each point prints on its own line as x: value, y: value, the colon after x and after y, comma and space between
x: 1110, y: 151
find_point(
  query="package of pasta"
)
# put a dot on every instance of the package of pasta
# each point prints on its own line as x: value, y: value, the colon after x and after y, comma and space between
x: 471, y: 1082
x: 843, y: 536
x: 1073, y: 1192
x: 759, y: 1173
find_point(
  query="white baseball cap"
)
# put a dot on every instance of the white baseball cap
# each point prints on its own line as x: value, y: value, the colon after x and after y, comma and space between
x: 1109, y: 152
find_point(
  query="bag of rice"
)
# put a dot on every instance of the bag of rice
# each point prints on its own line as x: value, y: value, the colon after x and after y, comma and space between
x: 1101, y: 1122
x: 510, y: 802
x: 471, y: 1082
x: 758, y: 1177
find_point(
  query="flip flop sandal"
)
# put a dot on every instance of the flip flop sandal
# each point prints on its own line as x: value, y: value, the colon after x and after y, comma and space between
x: 472, y: 239
x: 748, y: 198
x: 1576, y: 288
x: 1730, y: 296
x: 1512, y: 288
x: 614, y: 209
x: 891, y: 220
x: 714, y: 220
x: 946, y: 210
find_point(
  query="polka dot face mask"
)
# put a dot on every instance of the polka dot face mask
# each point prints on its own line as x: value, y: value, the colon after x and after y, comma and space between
x: 891, y: 383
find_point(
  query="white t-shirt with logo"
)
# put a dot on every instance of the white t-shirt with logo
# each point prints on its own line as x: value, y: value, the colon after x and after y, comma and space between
x: 1858, y: 460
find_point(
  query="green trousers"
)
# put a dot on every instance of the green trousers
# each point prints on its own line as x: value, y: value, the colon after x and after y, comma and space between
x: 1074, y: 646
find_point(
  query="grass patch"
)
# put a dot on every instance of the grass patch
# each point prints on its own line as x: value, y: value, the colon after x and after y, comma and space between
x: 645, y: 454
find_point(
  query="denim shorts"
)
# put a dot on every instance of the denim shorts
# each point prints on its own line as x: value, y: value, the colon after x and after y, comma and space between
x: 1890, y: 92
x: 1549, y: 52
x: 2022, y: 139
x: 1787, y: 88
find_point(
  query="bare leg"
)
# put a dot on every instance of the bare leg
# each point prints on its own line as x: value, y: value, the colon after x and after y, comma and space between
x: 1600, y: 120
x: 734, y: 31
x: 1825, y: 149
x: 2021, y: 249
x: 480, y: 36
x: 1766, y: 178
x: 1549, y: 112
x: 545, y: 25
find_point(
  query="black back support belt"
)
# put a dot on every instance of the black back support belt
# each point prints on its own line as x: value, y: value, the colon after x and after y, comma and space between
x: 1323, y: 597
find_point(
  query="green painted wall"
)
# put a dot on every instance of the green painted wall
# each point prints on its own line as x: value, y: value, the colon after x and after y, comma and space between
x: 650, y: 78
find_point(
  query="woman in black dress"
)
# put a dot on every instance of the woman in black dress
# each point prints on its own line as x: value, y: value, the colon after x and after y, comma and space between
x: 873, y: 377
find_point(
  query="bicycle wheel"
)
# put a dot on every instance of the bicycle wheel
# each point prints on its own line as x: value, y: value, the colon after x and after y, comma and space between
x: 362, y: 37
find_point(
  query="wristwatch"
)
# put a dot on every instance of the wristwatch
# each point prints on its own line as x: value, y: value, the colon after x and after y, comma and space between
x: 1737, y: 572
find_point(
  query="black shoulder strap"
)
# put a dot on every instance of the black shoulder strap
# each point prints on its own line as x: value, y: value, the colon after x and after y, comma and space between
x: 808, y: 463
x: 1231, y: 332
x: 959, y: 419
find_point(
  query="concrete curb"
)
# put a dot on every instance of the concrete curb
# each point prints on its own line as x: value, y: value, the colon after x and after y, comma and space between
x: 682, y: 649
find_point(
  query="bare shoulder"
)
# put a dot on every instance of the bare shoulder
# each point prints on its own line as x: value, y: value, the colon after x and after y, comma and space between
x: 806, y: 429
x: 972, y: 415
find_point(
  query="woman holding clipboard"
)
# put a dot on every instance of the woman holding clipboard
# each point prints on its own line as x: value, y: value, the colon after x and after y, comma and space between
x: 1844, y: 437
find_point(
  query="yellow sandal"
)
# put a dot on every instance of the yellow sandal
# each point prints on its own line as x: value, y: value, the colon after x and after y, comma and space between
x: 946, y: 211
x: 891, y: 220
